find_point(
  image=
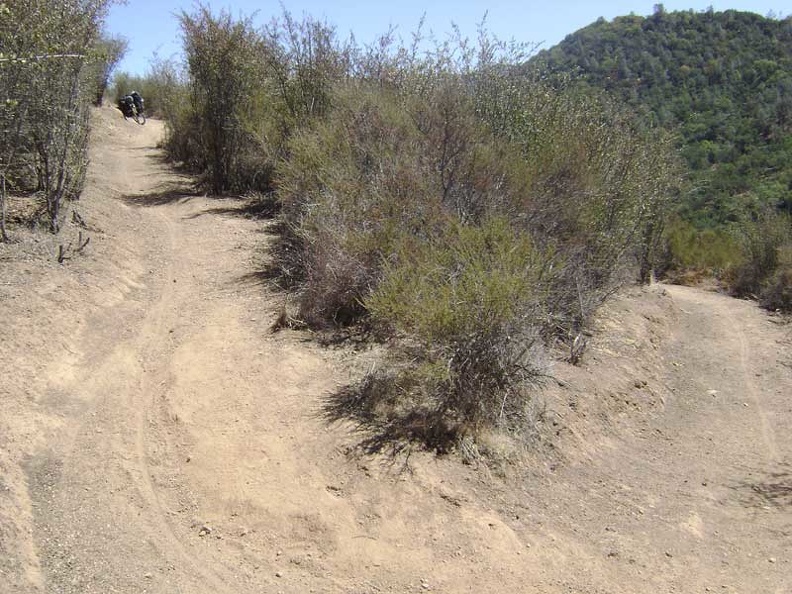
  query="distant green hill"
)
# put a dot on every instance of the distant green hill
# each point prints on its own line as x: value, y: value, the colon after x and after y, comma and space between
x: 723, y: 79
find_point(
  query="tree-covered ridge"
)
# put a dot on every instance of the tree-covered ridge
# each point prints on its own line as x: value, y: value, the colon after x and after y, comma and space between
x: 723, y: 79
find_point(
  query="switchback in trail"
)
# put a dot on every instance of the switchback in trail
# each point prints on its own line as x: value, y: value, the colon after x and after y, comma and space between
x: 156, y: 437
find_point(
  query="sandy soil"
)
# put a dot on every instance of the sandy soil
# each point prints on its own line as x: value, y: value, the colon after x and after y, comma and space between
x: 156, y: 437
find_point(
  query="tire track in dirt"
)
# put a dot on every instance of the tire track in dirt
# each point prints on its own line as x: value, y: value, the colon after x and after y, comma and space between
x: 748, y: 373
x: 692, y: 499
x: 725, y: 357
x: 152, y: 388
x: 101, y: 525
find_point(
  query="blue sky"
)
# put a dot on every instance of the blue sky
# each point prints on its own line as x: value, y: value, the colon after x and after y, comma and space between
x: 152, y: 27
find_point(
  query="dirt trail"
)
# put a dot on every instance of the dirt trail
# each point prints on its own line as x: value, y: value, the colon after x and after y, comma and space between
x: 155, y: 437
x: 695, y: 496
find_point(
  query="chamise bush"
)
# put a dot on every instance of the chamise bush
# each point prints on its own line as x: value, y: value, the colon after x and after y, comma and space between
x: 469, y: 302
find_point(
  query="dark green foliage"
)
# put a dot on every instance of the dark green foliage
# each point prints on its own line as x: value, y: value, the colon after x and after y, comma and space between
x: 723, y: 80
x: 765, y: 270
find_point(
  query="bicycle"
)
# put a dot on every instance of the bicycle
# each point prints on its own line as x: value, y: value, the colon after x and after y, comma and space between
x: 130, y: 110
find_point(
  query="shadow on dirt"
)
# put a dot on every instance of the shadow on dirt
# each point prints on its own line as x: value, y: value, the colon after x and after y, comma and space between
x: 282, y: 269
x: 166, y: 195
x: 256, y: 278
x: 774, y: 490
x: 158, y: 158
x: 254, y: 207
x: 383, y: 423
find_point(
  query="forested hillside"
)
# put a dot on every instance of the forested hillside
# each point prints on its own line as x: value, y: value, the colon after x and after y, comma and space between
x: 723, y: 79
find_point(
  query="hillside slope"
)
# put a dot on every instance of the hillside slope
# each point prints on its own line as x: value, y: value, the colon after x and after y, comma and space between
x: 723, y: 79
x: 155, y: 436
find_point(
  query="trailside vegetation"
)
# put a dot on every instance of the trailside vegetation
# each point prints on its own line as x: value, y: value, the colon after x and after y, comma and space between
x: 53, y: 64
x: 110, y: 50
x: 468, y: 216
x: 722, y: 81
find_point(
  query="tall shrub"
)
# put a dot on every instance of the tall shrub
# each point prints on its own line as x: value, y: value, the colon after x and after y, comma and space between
x: 109, y: 52
x: 224, y: 65
x: 47, y: 81
x: 473, y: 216
x: 471, y: 300
x: 766, y: 269
x: 304, y: 60
x: 352, y: 182
x: 588, y: 182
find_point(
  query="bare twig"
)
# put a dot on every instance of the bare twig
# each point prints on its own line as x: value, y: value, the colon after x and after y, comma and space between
x: 23, y: 59
x: 81, y: 245
x: 3, y: 232
x: 78, y: 220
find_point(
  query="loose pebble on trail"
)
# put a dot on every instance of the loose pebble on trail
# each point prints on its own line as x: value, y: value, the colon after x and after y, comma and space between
x: 155, y: 436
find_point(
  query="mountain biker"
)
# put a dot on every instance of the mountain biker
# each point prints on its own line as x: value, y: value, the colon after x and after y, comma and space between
x: 137, y: 100
x: 126, y: 104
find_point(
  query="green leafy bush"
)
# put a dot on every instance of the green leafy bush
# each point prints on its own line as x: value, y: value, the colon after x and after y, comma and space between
x: 694, y: 253
x: 722, y: 82
x: 109, y: 52
x: 223, y: 58
x: 470, y: 301
x: 764, y: 271
x: 473, y: 218
x: 588, y: 183
x: 351, y: 185
x: 776, y: 293
x: 155, y: 86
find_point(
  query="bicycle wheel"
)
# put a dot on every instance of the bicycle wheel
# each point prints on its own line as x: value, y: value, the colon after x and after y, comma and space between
x: 140, y: 118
